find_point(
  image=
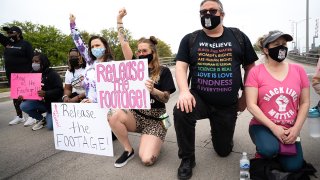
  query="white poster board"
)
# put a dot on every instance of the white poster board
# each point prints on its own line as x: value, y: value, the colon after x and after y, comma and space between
x: 121, y: 84
x: 81, y: 127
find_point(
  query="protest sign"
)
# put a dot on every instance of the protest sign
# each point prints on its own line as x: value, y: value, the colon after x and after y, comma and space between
x: 121, y: 84
x: 81, y: 127
x: 26, y: 85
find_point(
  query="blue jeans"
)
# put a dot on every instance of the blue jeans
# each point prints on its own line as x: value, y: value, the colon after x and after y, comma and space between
x: 267, y: 145
x: 34, y: 109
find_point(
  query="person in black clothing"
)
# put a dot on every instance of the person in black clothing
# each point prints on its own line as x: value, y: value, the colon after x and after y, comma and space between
x: 18, y: 55
x: 214, y: 60
x: 51, y: 91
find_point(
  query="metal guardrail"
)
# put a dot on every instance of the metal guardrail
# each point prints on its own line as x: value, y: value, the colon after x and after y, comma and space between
x: 61, y: 70
x: 305, y: 58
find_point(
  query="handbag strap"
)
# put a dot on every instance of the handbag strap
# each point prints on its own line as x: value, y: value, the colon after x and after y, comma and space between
x: 149, y: 117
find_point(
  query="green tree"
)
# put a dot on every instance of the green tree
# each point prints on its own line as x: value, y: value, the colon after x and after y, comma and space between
x: 112, y: 37
x: 48, y: 39
x: 56, y: 45
x: 164, y: 49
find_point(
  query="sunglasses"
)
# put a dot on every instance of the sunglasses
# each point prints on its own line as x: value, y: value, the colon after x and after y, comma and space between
x: 211, y: 11
x: 11, y: 32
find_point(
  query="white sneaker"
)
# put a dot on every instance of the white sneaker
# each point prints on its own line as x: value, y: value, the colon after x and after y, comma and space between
x: 25, y: 116
x: 40, y: 124
x: 30, y: 121
x: 16, y: 120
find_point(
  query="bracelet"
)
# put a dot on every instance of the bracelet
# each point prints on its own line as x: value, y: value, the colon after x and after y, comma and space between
x: 64, y: 96
x: 119, y: 23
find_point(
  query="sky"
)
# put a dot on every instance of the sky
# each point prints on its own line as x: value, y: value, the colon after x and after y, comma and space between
x: 167, y: 20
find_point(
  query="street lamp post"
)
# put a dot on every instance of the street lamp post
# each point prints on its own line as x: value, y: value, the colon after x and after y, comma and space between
x: 296, y: 27
x: 307, y: 26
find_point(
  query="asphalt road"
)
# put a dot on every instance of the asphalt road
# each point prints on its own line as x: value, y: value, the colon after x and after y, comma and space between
x: 27, y: 154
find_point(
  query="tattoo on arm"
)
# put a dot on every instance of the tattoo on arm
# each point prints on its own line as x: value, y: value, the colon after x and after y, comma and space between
x: 163, y: 98
x: 123, y: 34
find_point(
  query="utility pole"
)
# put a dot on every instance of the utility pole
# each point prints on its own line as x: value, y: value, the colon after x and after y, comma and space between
x: 307, y: 27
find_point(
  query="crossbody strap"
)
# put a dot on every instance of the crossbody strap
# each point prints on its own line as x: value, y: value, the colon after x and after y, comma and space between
x: 149, y: 117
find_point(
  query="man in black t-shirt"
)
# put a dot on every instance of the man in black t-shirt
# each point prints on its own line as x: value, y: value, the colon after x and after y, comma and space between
x: 214, y: 59
x: 18, y: 56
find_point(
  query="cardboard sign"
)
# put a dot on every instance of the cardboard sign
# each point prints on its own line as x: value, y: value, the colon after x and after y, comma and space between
x: 81, y: 127
x: 121, y: 84
x: 26, y: 85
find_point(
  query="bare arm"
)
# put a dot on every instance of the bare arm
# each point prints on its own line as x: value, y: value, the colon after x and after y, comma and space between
x: 253, y: 108
x: 294, y: 131
x: 242, y: 100
x: 186, y: 100
x: 126, y: 50
x: 162, y: 96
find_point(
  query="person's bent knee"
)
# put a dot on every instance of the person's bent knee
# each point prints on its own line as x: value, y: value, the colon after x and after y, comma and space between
x: 268, y: 152
x: 148, y: 160
x: 292, y: 167
x: 112, y: 119
x: 24, y: 107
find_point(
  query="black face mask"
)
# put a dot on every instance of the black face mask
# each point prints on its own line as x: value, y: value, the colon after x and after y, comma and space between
x: 74, y: 62
x: 278, y: 53
x: 13, y: 38
x: 148, y: 56
x: 209, y: 21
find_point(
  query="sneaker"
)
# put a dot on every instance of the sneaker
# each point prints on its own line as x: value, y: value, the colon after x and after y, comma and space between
x: 16, y: 120
x: 314, y: 112
x: 124, y: 158
x: 40, y: 124
x: 30, y: 121
x: 25, y: 116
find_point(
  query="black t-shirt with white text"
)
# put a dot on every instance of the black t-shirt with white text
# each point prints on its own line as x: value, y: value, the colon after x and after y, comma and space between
x: 216, y: 62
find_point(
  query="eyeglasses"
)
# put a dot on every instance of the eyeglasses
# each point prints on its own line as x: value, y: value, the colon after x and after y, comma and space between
x: 142, y: 51
x: 211, y: 11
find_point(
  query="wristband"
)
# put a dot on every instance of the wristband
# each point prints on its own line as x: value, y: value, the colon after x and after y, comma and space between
x: 64, y: 97
x: 119, y: 23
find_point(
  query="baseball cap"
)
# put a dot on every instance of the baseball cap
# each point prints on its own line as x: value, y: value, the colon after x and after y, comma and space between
x: 274, y: 35
x: 13, y: 28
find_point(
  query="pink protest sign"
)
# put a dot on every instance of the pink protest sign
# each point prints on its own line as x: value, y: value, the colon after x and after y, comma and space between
x: 26, y: 85
x: 121, y: 84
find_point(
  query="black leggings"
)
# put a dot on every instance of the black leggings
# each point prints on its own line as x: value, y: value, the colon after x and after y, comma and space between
x: 16, y: 103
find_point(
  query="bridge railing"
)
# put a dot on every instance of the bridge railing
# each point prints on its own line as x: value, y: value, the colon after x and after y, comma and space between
x: 305, y: 58
x: 61, y: 70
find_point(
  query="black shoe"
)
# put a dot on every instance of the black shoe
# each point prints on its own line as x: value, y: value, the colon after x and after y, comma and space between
x: 124, y: 158
x: 185, y: 168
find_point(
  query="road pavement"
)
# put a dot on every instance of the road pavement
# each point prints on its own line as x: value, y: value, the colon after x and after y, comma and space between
x: 27, y: 154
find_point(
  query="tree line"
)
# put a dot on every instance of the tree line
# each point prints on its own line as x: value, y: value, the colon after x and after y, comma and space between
x: 55, y: 44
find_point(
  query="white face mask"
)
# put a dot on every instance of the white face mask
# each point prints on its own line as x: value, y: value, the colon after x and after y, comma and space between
x: 35, y: 66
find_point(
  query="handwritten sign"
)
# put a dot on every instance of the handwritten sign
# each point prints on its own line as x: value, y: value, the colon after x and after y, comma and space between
x: 121, y: 84
x: 81, y: 127
x: 26, y: 85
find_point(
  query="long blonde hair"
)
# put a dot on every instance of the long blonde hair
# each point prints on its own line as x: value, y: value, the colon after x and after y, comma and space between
x: 155, y: 63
